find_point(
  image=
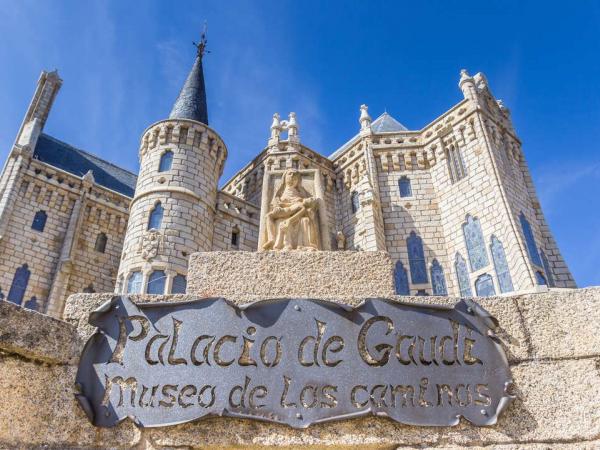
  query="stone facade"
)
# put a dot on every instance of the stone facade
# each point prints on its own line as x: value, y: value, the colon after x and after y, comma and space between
x: 555, y: 379
x: 416, y: 194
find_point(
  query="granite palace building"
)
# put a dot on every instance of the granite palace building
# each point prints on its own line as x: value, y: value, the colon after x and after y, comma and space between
x: 452, y: 203
x: 404, y: 291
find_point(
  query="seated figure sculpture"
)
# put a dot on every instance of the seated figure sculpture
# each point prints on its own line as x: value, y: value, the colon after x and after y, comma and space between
x: 291, y: 224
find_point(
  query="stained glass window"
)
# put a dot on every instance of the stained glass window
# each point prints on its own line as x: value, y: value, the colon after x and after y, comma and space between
x: 540, y: 278
x: 462, y: 276
x: 19, y: 284
x: 166, y: 161
x: 405, y: 187
x: 39, y: 221
x: 416, y: 259
x: 156, y: 282
x: 179, y: 285
x: 401, y: 279
x: 32, y: 304
x: 475, y: 245
x: 134, y: 283
x: 530, y: 241
x: 156, y: 216
x: 355, y: 203
x: 438, y: 281
x: 501, y: 265
x: 547, y: 269
x: 484, y: 285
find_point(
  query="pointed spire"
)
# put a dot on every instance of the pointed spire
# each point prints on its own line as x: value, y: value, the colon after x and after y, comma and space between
x: 191, y: 102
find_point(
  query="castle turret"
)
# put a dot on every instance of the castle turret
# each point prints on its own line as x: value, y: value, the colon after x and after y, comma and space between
x: 172, y: 212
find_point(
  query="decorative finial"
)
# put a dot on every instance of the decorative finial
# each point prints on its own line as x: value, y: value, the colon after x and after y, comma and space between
x: 201, y: 47
x: 364, y: 119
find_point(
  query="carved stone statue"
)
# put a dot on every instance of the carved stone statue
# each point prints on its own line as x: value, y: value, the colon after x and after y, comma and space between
x: 292, y: 221
x: 151, y: 243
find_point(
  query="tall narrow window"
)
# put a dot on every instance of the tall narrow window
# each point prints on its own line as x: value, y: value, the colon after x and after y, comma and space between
x: 475, y: 245
x: 156, y: 282
x: 540, y: 278
x: 100, y: 245
x: 401, y: 279
x: 438, y: 280
x: 156, y: 216
x: 235, y: 238
x: 484, y: 285
x: 32, y: 304
x: 455, y: 163
x: 462, y: 276
x: 183, y: 134
x: 405, y: 187
x: 166, y: 161
x: 501, y: 265
x: 416, y: 259
x: 19, y: 285
x: 530, y: 241
x: 547, y: 269
x: 354, y: 201
x: 39, y: 221
x: 134, y: 283
x: 179, y: 285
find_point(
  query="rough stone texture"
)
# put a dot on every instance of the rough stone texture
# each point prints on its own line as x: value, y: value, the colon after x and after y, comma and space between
x: 247, y: 276
x: 550, y: 318
x: 36, y: 336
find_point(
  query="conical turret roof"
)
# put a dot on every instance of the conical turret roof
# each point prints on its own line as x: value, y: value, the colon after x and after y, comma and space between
x: 191, y: 102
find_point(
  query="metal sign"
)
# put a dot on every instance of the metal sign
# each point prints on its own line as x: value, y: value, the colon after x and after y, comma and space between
x: 292, y: 361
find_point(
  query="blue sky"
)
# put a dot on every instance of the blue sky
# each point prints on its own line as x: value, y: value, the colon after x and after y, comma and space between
x: 123, y: 64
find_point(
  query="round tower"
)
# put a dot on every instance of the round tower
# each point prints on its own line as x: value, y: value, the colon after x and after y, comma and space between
x: 172, y: 211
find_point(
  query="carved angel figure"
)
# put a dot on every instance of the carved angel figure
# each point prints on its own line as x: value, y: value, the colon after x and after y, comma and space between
x: 292, y: 222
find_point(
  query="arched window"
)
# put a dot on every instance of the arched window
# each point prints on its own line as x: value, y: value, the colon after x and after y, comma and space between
x: 235, y: 238
x: 540, y: 278
x: 416, y: 258
x: 156, y: 216
x: 438, y: 280
x: 484, y: 285
x: 19, y: 284
x: 462, y: 276
x: 354, y: 201
x: 179, y: 285
x: 501, y: 265
x: 134, y: 283
x: 405, y: 187
x: 475, y: 245
x: 32, y: 304
x: 100, y: 245
x: 39, y: 221
x: 530, y: 241
x: 401, y: 279
x: 89, y: 289
x: 156, y: 282
x: 456, y: 165
x: 547, y: 269
x: 166, y: 161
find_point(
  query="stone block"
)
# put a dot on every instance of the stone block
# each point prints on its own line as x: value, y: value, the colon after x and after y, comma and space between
x: 562, y: 324
x: 36, y: 336
x: 345, y: 276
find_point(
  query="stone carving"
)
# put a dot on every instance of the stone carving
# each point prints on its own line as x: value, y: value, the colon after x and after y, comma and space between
x: 151, y: 244
x: 292, y: 222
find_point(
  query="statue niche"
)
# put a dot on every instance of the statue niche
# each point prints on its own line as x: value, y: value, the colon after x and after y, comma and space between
x: 292, y: 221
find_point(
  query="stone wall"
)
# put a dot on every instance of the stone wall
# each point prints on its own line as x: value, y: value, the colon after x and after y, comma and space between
x: 61, y: 259
x: 551, y: 341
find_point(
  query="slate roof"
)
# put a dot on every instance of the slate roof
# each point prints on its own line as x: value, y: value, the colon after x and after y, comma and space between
x: 73, y: 160
x: 383, y: 124
x: 386, y: 123
x: 191, y: 102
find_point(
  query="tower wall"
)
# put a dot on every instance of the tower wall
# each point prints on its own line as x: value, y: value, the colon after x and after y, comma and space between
x: 187, y: 193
